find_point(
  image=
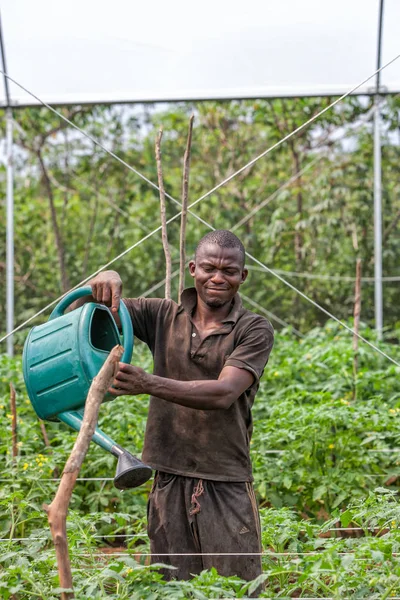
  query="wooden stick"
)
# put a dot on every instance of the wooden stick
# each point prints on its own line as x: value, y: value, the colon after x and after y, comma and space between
x: 44, y: 433
x: 13, y: 423
x: 357, y: 312
x: 167, y: 253
x: 43, y: 429
x: 57, y: 511
x: 185, y: 196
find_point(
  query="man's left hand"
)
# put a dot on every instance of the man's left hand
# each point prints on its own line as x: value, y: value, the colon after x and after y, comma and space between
x: 129, y: 381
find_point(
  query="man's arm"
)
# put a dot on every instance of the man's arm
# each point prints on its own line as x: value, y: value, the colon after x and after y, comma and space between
x: 206, y: 394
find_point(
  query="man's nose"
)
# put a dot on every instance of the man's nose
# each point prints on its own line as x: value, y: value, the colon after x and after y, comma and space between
x: 218, y: 277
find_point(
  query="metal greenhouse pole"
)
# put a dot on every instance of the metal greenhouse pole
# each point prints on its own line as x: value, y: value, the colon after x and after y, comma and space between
x: 378, y: 189
x: 10, y: 208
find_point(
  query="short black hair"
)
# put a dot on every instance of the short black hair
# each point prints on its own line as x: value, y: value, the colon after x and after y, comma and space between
x: 222, y: 238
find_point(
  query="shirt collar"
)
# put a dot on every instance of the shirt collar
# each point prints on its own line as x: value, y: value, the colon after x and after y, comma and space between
x: 189, y: 301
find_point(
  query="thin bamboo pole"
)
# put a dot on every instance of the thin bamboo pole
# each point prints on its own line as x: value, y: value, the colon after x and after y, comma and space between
x: 14, y: 435
x: 357, y: 312
x: 185, y: 199
x: 164, y: 233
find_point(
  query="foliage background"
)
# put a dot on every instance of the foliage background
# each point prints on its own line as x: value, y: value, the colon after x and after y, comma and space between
x: 322, y: 461
x: 323, y: 457
x: 77, y: 207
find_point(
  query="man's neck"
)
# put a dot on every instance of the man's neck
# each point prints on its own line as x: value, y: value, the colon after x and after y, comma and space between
x: 205, y: 315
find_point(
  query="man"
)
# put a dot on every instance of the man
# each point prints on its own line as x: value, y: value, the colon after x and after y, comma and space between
x: 209, y: 354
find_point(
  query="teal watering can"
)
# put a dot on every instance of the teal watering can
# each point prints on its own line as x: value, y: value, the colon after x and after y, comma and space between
x: 60, y: 360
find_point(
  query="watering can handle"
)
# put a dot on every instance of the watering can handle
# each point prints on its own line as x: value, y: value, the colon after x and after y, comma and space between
x: 127, y: 329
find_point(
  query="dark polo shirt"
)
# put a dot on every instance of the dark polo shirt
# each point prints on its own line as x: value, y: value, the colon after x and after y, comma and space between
x: 209, y: 444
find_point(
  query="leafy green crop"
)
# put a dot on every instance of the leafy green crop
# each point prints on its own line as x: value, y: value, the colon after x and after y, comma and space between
x: 322, y: 462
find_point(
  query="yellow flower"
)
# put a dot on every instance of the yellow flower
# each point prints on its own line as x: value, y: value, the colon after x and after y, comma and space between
x: 392, y: 411
x: 9, y: 416
x: 26, y: 465
x: 393, y: 524
x: 331, y: 446
x: 343, y: 401
x: 129, y: 571
x: 1, y: 406
x: 276, y: 374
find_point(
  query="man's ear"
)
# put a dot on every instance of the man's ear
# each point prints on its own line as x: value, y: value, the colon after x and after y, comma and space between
x: 192, y: 267
x: 245, y: 272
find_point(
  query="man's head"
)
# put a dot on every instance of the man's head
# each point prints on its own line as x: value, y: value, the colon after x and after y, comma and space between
x: 218, y: 267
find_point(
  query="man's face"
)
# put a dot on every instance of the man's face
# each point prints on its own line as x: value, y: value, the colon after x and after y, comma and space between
x: 218, y: 273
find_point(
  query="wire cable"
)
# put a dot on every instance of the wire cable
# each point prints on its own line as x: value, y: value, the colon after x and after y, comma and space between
x: 249, y: 164
x: 271, y: 315
x: 324, y: 310
x: 275, y: 194
x: 215, y: 188
x: 305, y: 275
x: 266, y: 553
x: 128, y: 536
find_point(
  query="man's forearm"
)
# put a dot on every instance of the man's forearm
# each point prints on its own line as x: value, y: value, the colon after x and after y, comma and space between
x: 209, y: 394
x: 203, y: 395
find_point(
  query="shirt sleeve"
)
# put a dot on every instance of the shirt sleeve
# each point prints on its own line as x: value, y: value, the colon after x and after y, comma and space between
x: 253, y: 350
x: 144, y: 313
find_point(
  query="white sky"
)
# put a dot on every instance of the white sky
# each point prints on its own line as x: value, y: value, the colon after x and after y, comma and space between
x: 97, y: 50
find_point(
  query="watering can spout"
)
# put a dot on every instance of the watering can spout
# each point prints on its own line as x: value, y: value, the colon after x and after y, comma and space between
x: 131, y: 472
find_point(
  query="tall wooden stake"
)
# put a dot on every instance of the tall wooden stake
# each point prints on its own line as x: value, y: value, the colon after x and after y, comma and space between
x: 357, y: 312
x: 44, y: 433
x: 185, y: 196
x: 167, y: 253
x: 57, y: 511
x: 13, y: 423
x: 43, y: 429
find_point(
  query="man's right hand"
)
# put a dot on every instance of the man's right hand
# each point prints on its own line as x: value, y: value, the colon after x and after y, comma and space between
x: 107, y: 288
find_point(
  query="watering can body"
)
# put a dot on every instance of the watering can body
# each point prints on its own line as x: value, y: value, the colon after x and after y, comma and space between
x: 60, y: 360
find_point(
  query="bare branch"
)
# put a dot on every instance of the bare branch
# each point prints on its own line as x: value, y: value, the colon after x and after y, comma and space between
x: 57, y: 233
x: 393, y: 225
x: 58, y: 509
x: 13, y: 423
x: 185, y: 196
x: 62, y: 125
x: 167, y: 252
x: 357, y: 312
x: 44, y: 433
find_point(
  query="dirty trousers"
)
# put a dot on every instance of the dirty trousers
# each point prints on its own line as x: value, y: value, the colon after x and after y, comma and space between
x: 191, y: 516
